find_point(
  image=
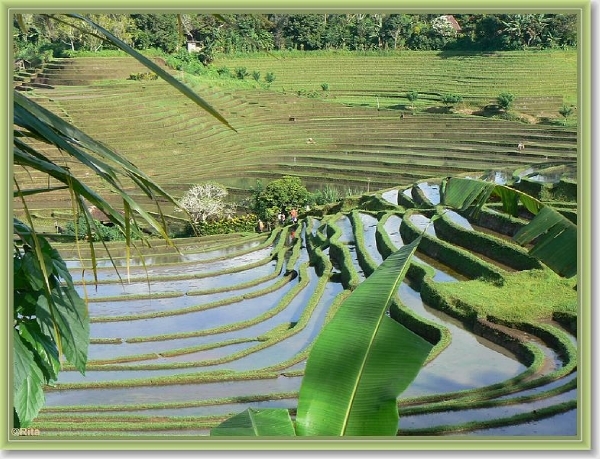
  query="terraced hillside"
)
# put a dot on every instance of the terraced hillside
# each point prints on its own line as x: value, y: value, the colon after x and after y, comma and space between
x: 349, y: 147
x: 227, y: 324
x: 184, y: 340
x: 541, y: 81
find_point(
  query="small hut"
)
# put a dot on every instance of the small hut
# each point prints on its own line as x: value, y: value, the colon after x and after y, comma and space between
x: 453, y: 22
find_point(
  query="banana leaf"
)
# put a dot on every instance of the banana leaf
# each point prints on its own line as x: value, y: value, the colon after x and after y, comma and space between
x: 359, y: 364
x: 362, y: 360
x: 556, y: 241
x: 554, y: 235
x: 270, y: 422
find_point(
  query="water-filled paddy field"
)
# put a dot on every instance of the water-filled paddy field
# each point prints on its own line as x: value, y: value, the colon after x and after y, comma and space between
x: 185, y: 343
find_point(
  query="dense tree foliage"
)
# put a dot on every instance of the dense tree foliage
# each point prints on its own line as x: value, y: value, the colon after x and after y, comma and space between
x: 281, y: 195
x: 252, y: 32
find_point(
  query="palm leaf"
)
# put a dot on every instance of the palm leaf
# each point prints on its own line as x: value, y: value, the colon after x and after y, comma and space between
x: 362, y: 361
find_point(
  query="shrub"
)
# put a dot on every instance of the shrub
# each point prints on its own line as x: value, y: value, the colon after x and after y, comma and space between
x: 566, y: 111
x: 270, y: 77
x: 505, y: 100
x: 143, y: 76
x: 325, y: 195
x: 325, y: 86
x: 241, y: 73
x: 223, y: 71
x: 256, y: 75
x: 239, y: 224
x: 451, y: 99
x: 99, y: 233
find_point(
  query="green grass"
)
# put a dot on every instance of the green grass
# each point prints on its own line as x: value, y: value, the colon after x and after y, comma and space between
x: 478, y: 77
x: 525, y: 296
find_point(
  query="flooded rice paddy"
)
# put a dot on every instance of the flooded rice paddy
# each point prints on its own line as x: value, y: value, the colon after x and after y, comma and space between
x: 218, y: 330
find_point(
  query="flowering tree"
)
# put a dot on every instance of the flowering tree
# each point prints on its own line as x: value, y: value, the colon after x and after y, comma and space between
x: 443, y: 26
x: 206, y: 202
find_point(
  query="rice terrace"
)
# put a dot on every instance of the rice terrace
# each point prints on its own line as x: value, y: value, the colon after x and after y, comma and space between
x: 183, y: 338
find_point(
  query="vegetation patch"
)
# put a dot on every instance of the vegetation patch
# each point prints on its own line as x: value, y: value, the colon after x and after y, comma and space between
x: 527, y: 296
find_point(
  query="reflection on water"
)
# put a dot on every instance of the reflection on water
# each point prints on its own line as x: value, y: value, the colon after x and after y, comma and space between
x: 423, y: 223
x: 369, y: 224
x: 120, y: 260
x: 431, y: 191
x: 172, y: 393
x: 478, y: 359
x: 442, y: 272
x: 155, y: 270
x: 391, y: 196
x: 177, y: 286
x: 458, y: 219
x: 243, y: 309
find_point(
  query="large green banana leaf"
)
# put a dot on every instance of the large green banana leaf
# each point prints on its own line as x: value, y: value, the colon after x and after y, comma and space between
x: 359, y: 364
x: 554, y: 235
x: 362, y: 361
x: 270, y: 422
x: 555, y: 241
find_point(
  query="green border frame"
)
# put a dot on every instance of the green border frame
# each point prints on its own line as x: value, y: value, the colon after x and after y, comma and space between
x: 585, y: 416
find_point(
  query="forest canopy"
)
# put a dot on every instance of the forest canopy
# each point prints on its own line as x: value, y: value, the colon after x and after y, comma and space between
x: 211, y: 34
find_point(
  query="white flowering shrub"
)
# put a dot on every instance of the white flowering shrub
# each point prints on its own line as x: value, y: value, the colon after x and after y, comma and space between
x: 206, y: 202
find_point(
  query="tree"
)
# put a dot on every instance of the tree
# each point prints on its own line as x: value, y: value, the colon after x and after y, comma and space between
x: 412, y: 96
x: 50, y: 319
x: 505, y: 100
x: 566, y: 111
x: 450, y: 100
x: 395, y: 29
x: 157, y: 31
x: 442, y: 26
x: 520, y: 31
x: 305, y: 31
x: 281, y: 194
x: 206, y: 202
